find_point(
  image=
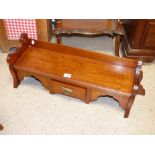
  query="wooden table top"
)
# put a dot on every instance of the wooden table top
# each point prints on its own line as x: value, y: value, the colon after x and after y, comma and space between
x: 89, y: 24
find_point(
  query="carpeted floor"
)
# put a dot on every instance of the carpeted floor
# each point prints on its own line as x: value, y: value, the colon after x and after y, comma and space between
x: 30, y: 109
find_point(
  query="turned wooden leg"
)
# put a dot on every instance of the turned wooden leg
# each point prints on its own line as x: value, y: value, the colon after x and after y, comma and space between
x: 117, y: 44
x: 1, y: 127
x: 59, y: 39
x: 129, y: 105
x: 16, y: 82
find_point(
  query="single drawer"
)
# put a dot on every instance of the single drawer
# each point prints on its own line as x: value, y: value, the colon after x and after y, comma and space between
x: 58, y: 87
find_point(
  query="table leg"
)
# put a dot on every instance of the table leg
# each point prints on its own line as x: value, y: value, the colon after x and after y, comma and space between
x: 16, y: 82
x: 129, y: 105
x: 59, y: 39
x: 117, y: 44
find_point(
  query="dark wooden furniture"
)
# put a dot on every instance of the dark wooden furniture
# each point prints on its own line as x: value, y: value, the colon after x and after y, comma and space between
x: 44, y: 32
x: 1, y: 127
x: 90, y: 27
x: 78, y: 73
x: 139, y: 39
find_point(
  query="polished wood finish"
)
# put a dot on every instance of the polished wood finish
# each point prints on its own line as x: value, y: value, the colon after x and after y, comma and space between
x: 91, y: 74
x: 57, y: 87
x: 44, y: 31
x: 139, y: 39
x: 90, y: 27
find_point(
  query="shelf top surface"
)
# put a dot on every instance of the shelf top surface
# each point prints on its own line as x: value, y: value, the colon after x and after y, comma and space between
x: 87, y: 70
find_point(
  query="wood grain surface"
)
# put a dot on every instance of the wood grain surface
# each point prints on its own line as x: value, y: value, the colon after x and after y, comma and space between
x: 91, y: 74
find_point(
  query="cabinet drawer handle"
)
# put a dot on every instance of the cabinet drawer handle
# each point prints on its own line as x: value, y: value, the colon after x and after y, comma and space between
x: 67, y: 91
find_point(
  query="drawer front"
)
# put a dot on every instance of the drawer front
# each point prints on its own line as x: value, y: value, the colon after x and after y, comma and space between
x: 67, y: 89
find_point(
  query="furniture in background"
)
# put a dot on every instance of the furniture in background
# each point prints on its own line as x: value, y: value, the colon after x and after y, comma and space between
x: 10, y: 30
x: 90, y: 27
x: 78, y: 73
x: 1, y: 127
x: 139, y: 40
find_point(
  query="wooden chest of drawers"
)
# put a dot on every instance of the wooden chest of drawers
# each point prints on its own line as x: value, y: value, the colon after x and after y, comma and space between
x: 139, y: 39
x: 78, y: 73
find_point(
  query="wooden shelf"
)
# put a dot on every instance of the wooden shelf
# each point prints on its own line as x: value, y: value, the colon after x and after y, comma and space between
x: 91, y: 74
